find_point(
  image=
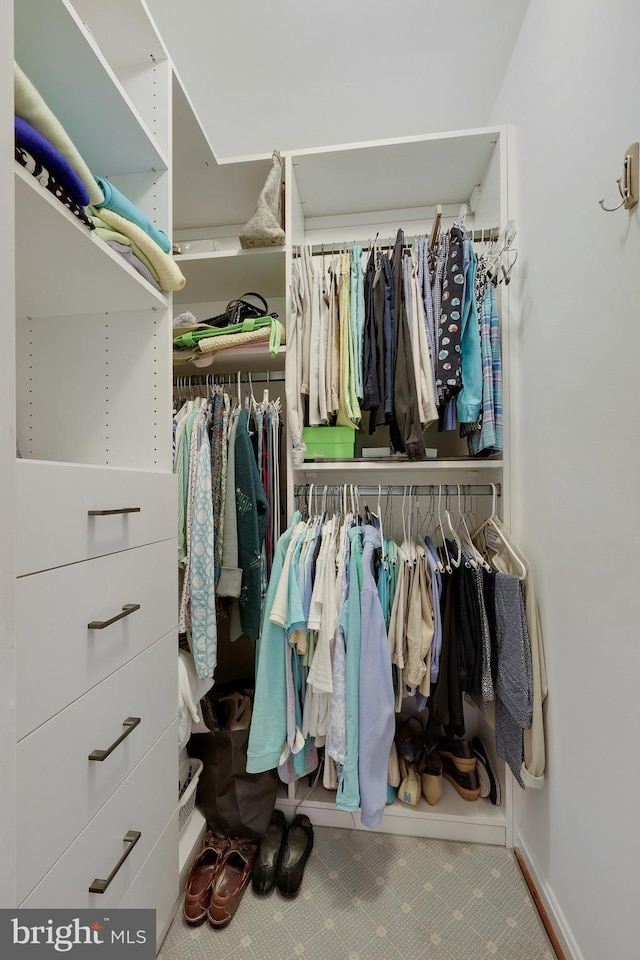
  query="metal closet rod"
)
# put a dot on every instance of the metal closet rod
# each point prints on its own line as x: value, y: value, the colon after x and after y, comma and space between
x: 222, y: 379
x: 490, y: 234
x: 418, y: 490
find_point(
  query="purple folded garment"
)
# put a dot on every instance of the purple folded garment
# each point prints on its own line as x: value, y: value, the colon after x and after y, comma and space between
x: 41, y: 150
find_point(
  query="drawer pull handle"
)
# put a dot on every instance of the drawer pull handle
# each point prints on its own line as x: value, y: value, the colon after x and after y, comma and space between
x: 100, y: 886
x: 130, y: 724
x: 128, y: 609
x: 113, y: 513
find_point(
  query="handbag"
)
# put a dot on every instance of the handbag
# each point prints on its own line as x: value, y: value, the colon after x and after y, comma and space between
x: 234, y: 803
x: 264, y: 229
x: 238, y: 310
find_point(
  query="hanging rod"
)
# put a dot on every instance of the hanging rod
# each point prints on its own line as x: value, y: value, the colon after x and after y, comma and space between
x: 490, y: 234
x: 418, y: 490
x: 220, y: 379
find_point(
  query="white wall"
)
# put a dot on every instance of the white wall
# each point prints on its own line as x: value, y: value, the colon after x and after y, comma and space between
x: 7, y: 454
x: 292, y: 74
x: 572, y: 92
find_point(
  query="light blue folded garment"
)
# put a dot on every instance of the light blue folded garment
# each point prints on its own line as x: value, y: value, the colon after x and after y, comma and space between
x: 116, y: 201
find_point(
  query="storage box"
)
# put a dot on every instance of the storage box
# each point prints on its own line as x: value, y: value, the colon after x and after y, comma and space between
x: 188, y: 798
x: 329, y: 443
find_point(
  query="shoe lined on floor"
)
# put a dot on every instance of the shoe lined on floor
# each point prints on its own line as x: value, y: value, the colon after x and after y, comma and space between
x: 409, y: 738
x: 483, y: 779
x: 464, y: 781
x: 201, y: 878
x: 459, y: 752
x: 265, y: 866
x: 483, y: 757
x: 430, y: 770
x: 230, y: 881
x: 296, y: 849
x: 409, y: 789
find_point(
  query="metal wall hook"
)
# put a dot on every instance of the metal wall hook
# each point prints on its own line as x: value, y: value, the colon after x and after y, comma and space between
x: 629, y: 181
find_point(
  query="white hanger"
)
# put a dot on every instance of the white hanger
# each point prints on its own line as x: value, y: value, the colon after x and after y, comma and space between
x: 477, y: 558
x: 447, y: 565
x: 456, y: 539
x: 495, y: 524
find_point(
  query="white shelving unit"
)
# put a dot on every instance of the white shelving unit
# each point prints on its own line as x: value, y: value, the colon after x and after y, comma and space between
x: 354, y: 192
x: 94, y: 504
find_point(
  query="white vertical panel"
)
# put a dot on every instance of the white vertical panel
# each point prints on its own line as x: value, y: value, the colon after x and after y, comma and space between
x: 7, y: 464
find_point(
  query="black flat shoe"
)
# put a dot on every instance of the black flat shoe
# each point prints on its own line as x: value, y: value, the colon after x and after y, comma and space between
x: 265, y: 866
x: 296, y: 849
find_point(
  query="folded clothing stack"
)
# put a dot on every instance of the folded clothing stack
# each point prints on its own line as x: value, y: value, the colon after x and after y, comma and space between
x: 44, y: 148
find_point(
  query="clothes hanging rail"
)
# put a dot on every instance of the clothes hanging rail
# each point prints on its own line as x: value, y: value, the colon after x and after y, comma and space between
x: 220, y: 379
x: 417, y: 490
x: 489, y: 235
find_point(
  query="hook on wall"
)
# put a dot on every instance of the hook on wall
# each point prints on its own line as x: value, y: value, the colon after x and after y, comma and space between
x: 629, y: 181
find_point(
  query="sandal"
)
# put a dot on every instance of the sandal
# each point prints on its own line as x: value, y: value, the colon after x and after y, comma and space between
x: 465, y: 783
x: 459, y: 752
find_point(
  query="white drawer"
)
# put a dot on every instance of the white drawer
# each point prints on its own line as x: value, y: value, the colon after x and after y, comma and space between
x: 58, y: 658
x: 60, y: 789
x: 156, y: 886
x: 145, y: 802
x: 53, y: 500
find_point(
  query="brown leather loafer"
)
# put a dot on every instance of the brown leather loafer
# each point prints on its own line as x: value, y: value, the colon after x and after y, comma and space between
x: 200, y: 881
x: 230, y: 882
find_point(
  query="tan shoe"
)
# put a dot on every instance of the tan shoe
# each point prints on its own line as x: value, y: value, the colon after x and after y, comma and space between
x: 230, y: 882
x: 431, y: 775
x: 200, y: 881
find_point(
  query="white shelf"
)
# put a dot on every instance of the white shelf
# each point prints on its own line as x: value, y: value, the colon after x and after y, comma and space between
x: 252, y: 359
x: 400, y: 174
x: 125, y: 50
x: 207, y: 193
x: 59, y: 56
x: 63, y: 268
x: 224, y: 275
x: 451, y: 818
x: 415, y: 467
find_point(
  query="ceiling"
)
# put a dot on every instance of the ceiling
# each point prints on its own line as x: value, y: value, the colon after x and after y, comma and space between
x: 288, y: 74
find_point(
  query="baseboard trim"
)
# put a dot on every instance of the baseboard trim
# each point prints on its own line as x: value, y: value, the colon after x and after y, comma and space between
x: 551, y: 915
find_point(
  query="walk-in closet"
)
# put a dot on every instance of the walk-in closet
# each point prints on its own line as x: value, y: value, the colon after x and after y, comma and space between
x: 316, y: 590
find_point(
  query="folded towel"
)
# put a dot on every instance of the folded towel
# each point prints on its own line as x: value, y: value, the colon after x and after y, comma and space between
x: 116, y: 201
x: 169, y: 275
x: 45, y: 178
x: 125, y: 250
x: 107, y: 233
x: 31, y: 107
x: 40, y: 148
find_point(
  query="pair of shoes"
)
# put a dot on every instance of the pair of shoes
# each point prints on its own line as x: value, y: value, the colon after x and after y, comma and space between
x: 283, y: 854
x: 217, y: 880
x: 489, y: 783
x: 430, y: 770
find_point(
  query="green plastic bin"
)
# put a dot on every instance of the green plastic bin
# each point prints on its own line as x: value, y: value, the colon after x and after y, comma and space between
x: 329, y: 443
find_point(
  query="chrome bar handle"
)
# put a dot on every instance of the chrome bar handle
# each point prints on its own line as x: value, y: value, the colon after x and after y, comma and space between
x: 111, y: 513
x: 130, y: 724
x: 101, y: 886
x: 127, y: 610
